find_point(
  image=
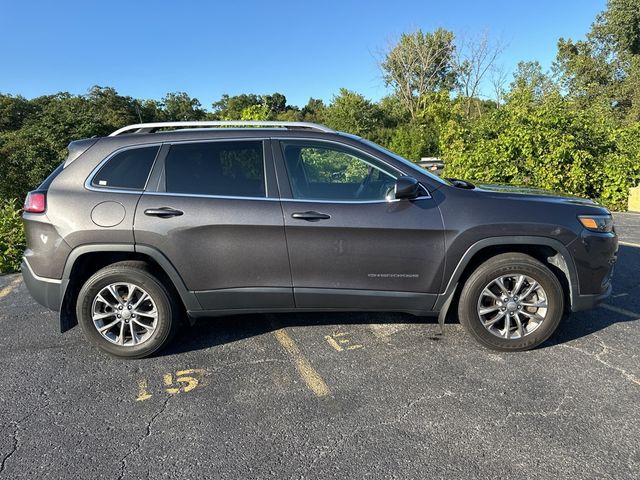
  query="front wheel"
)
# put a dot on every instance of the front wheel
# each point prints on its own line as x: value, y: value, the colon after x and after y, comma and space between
x: 511, y: 302
x: 126, y: 311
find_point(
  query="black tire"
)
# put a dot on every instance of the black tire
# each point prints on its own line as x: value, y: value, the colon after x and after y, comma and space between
x: 139, y: 274
x: 510, y: 264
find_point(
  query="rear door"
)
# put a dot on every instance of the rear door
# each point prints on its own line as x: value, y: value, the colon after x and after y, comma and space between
x: 215, y: 214
x: 351, y: 245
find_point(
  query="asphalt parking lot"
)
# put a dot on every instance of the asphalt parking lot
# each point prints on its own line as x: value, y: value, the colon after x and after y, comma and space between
x: 326, y: 396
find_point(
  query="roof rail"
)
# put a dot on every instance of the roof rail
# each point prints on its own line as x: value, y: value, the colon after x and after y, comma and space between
x: 152, y: 127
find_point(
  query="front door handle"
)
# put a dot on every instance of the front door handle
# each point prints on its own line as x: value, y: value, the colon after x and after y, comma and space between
x: 310, y: 216
x: 163, y: 212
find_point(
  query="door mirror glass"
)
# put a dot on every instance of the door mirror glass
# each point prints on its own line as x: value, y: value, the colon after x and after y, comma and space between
x: 407, y: 187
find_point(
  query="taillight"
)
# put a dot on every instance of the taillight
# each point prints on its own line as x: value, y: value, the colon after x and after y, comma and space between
x: 36, y: 202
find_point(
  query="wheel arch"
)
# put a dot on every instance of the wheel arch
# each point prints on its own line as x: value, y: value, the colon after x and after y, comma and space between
x: 549, y: 251
x: 85, y: 260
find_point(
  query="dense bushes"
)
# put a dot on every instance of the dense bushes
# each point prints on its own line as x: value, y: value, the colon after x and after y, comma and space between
x: 12, y: 241
x: 546, y: 143
x: 621, y: 168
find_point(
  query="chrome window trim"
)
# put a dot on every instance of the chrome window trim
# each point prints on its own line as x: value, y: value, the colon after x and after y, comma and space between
x: 215, y: 197
x: 269, y: 199
x: 88, y: 183
x: 393, y: 200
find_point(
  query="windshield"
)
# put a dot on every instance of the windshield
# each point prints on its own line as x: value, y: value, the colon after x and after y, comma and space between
x: 403, y: 160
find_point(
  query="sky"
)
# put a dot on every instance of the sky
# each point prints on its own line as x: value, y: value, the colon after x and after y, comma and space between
x: 299, y: 48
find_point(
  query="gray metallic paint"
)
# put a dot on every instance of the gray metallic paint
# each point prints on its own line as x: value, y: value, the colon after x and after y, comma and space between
x: 218, y: 243
x: 232, y: 252
x: 397, y: 246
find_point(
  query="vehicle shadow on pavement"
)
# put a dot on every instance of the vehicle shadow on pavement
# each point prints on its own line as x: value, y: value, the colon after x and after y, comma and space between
x: 208, y: 333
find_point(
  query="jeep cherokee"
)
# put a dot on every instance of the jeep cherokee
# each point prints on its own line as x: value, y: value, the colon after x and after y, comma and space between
x: 214, y: 218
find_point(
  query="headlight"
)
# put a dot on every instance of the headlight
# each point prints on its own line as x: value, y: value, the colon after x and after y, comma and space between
x: 597, y: 223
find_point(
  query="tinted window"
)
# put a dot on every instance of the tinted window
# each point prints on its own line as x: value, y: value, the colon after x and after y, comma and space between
x: 323, y: 172
x: 127, y: 169
x: 216, y: 168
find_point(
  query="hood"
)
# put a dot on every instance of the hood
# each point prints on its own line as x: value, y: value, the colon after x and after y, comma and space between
x: 534, y: 194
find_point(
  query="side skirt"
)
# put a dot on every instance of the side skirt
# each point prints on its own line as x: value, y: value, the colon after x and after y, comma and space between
x: 233, y: 301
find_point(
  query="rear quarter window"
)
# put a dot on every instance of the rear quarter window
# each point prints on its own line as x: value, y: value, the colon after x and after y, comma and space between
x: 128, y: 169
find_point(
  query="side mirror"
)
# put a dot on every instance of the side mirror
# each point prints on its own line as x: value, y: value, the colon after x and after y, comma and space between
x: 407, y: 188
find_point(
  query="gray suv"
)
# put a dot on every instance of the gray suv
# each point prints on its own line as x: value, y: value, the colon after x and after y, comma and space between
x: 138, y: 228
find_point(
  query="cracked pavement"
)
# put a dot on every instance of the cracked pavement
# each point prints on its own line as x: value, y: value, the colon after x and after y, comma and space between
x: 406, y: 403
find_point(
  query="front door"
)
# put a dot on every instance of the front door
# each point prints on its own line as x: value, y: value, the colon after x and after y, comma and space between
x: 216, y: 216
x: 350, y: 245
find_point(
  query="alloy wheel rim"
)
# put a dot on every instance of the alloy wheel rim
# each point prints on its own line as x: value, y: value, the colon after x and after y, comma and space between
x: 124, y: 314
x: 512, y: 306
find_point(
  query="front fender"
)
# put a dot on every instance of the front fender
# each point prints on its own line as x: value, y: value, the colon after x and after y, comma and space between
x: 565, y: 263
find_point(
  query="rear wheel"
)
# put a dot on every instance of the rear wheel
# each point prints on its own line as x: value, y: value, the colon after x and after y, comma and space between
x: 126, y: 311
x: 511, y: 302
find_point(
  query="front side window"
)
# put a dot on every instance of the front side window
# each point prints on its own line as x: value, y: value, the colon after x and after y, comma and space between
x: 128, y: 169
x: 326, y: 172
x: 234, y: 169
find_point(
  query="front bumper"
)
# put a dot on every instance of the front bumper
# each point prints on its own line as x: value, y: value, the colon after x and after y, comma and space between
x: 595, y: 255
x: 587, y: 302
x: 45, y: 291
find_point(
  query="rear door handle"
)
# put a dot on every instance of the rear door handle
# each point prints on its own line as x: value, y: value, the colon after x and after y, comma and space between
x: 311, y: 216
x: 163, y: 212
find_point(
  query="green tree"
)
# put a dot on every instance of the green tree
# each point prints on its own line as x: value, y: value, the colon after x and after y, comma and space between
x: 275, y: 103
x: 530, y: 78
x: 179, y: 106
x: 415, y: 140
x: 351, y: 112
x: 418, y: 64
x: 27, y: 156
x: 605, y: 67
x: 253, y: 107
x: 255, y: 112
x: 314, y: 111
x: 14, y: 110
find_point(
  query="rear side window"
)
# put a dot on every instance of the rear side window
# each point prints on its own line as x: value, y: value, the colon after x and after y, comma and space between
x: 233, y: 169
x: 128, y: 169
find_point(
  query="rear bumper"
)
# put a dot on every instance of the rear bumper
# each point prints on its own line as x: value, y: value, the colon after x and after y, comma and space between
x: 45, y: 291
